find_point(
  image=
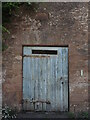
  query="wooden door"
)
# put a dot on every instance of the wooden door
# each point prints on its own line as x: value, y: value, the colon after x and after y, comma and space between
x: 45, y: 78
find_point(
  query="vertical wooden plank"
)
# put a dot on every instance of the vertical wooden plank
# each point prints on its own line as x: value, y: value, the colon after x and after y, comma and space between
x: 45, y: 80
x: 44, y: 74
x: 48, y: 84
x: 32, y: 81
x: 56, y: 85
x: 24, y: 83
x: 29, y: 85
x: 61, y: 80
x: 53, y: 97
x: 54, y: 82
x: 39, y: 78
x: 65, y: 77
x: 51, y: 85
x: 31, y: 78
x: 26, y: 94
x: 40, y: 84
x: 24, y: 74
x: 59, y: 76
x: 36, y: 82
x: 66, y: 106
x: 63, y: 73
x: 26, y: 77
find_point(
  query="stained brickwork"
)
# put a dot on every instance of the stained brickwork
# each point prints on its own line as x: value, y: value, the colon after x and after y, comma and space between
x: 51, y: 24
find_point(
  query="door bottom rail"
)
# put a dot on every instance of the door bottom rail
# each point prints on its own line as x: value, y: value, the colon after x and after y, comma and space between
x: 36, y: 101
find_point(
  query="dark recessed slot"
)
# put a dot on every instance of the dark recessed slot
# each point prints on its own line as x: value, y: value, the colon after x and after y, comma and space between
x: 51, y: 52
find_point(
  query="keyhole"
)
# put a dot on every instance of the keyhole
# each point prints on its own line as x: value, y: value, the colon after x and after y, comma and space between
x: 62, y: 82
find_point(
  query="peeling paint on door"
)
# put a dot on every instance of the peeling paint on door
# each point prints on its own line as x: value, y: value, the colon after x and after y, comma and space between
x: 45, y: 79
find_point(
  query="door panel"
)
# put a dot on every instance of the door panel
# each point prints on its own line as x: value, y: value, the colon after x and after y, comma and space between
x: 45, y: 80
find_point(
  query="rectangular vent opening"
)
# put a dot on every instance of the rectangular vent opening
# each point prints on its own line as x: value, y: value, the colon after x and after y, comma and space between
x: 51, y: 52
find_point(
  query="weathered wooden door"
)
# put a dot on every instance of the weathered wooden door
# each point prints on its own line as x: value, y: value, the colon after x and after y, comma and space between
x: 45, y: 78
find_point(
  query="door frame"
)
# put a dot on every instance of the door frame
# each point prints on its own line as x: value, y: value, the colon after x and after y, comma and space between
x: 32, y: 45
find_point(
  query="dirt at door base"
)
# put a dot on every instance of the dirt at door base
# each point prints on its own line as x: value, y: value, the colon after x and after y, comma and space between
x: 43, y: 115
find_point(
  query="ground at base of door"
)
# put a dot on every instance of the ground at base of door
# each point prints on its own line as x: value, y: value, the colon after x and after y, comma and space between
x: 43, y: 115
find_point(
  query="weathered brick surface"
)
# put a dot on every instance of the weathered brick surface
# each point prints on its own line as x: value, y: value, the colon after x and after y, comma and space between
x: 65, y: 25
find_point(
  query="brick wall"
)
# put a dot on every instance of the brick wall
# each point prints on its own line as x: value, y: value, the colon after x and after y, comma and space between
x: 50, y: 24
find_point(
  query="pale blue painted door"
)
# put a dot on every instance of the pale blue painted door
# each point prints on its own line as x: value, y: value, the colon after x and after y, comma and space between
x: 45, y: 78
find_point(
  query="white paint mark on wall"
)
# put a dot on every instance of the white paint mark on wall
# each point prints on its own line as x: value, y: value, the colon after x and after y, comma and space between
x: 81, y: 73
x: 18, y: 57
